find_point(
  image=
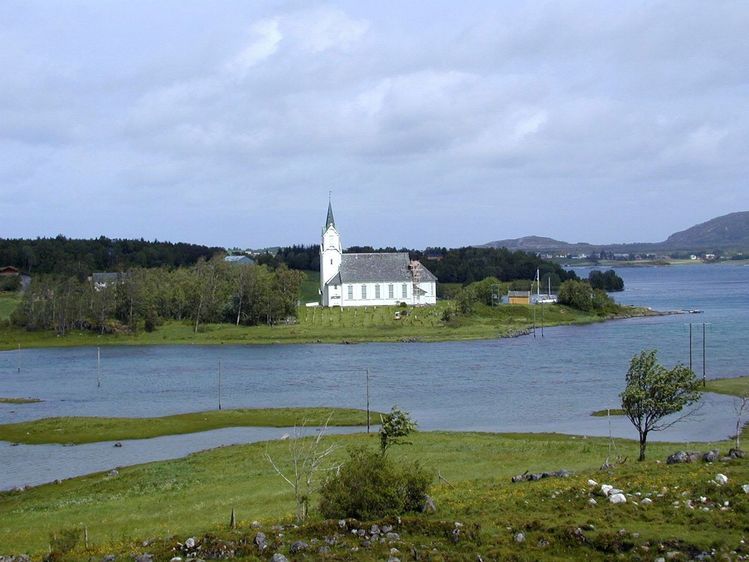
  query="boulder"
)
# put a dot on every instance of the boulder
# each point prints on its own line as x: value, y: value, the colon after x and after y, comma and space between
x: 260, y: 541
x: 618, y: 498
x: 429, y: 505
x: 646, y: 501
x: 606, y: 489
x: 519, y: 537
x: 721, y: 479
x: 298, y: 546
x: 736, y: 453
x: 677, y: 458
x: 144, y: 558
x: 745, y: 487
x: 711, y: 456
x: 278, y: 557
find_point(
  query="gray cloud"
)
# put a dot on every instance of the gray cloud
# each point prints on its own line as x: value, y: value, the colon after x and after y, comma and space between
x: 228, y: 122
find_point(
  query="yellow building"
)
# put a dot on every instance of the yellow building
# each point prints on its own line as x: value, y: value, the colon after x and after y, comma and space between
x: 519, y: 297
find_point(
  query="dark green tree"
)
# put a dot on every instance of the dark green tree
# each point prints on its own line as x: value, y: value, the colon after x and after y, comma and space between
x: 653, y: 393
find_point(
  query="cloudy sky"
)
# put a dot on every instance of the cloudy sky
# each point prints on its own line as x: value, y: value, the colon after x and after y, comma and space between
x: 433, y: 123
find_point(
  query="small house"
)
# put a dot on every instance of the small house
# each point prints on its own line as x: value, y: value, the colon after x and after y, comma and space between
x: 519, y: 297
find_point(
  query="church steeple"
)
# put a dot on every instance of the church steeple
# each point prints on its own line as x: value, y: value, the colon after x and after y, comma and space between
x: 330, y: 221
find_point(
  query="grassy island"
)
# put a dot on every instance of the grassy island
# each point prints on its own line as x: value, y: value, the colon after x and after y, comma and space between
x: 337, y: 325
x: 149, y: 508
x: 19, y: 400
x: 608, y: 412
x: 735, y: 386
x: 77, y: 430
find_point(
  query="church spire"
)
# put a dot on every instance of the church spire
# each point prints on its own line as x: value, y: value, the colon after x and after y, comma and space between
x: 330, y: 221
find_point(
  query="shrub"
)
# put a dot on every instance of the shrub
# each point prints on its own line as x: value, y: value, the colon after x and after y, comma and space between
x: 395, y: 425
x: 370, y: 486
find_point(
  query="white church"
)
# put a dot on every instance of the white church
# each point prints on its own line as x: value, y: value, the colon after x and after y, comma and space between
x: 370, y: 279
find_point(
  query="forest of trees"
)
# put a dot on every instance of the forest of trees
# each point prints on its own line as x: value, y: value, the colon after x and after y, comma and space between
x: 69, y: 256
x: 608, y: 281
x: 460, y: 265
x: 209, y: 291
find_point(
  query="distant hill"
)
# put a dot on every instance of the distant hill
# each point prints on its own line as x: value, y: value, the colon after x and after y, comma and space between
x: 726, y: 233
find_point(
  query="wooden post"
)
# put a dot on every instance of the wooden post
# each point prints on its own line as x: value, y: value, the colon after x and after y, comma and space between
x: 690, y: 346
x: 704, y: 375
x: 233, y: 519
x: 367, y: 371
x: 98, y: 367
x: 219, y: 384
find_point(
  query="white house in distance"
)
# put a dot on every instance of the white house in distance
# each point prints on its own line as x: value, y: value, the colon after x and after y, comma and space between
x: 370, y: 279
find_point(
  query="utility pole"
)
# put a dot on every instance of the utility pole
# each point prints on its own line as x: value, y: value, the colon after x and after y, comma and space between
x: 534, y: 314
x: 690, y: 346
x: 19, y: 358
x: 219, y: 384
x: 704, y: 371
x: 98, y: 367
x: 542, y: 318
x: 367, y: 375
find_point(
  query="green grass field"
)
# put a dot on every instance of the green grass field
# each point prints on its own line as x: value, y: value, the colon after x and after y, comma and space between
x: 736, y: 386
x: 78, y: 430
x: 334, y: 325
x: 8, y: 303
x: 194, y: 495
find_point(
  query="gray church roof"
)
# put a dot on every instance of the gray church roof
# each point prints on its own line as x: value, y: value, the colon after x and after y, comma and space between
x: 377, y: 268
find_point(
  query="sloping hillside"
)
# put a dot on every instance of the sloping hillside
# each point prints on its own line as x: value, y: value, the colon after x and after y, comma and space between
x: 726, y: 232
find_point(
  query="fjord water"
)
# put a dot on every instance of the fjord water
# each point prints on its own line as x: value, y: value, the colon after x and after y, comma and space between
x: 549, y: 383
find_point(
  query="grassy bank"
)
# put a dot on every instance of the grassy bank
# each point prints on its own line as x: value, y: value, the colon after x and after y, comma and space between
x: 736, y: 386
x: 336, y: 325
x: 78, y: 430
x: 19, y: 400
x: 608, y: 412
x: 194, y: 495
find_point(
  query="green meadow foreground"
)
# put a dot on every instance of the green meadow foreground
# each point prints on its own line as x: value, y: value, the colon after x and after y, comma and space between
x: 150, y: 508
x: 77, y: 430
x: 339, y: 325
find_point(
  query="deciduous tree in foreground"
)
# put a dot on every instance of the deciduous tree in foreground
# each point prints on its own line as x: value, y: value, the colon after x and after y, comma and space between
x: 653, y: 393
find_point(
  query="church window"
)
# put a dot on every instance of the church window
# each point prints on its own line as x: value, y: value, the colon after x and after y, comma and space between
x: 363, y: 291
x: 377, y: 291
x: 391, y: 292
x: 404, y: 290
x: 350, y: 292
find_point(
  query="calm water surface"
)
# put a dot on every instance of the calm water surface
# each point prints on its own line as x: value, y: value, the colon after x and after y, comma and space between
x: 521, y: 384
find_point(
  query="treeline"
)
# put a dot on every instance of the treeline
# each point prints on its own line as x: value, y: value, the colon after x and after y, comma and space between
x: 69, y: 256
x: 607, y: 281
x: 210, y: 291
x: 581, y: 295
x: 460, y: 265
x: 468, y: 265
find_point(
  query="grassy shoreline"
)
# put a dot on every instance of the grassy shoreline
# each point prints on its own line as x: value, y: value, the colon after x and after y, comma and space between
x: 734, y: 386
x: 320, y: 325
x: 78, y: 430
x: 195, y: 494
x: 19, y: 400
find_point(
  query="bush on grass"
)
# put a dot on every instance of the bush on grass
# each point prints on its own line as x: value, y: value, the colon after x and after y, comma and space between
x: 370, y: 486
